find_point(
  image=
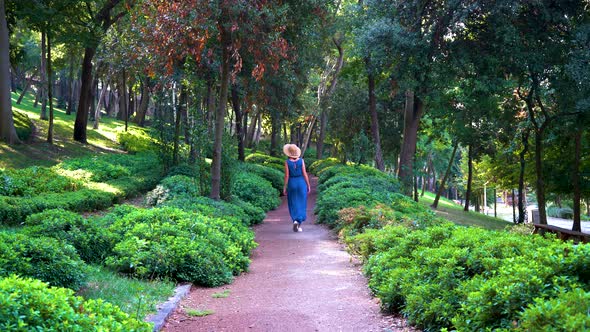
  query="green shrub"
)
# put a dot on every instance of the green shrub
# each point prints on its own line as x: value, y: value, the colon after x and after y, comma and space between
x: 256, y: 190
x: 266, y: 160
x: 255, y: 214
x: 184, y: 246
x: 30, y: 305
x: 319, y: 165
x: 36, y: 180
x: 275, y: 177
x: 219, y: 209
x: 91, y: 240
x: 42, y: 258
x: 568, y: 311
x: 171, y: 187
x: 136, y: 140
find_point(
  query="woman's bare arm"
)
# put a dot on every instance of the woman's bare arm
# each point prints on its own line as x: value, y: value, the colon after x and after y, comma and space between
x: 305, y: 175
x: 286, y: 179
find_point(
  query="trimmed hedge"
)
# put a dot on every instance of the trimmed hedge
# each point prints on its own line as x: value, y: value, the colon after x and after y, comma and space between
x: 272, y: 175
x: 42, y: 258
x: 266, y: 160
x: 30, y: 305
x: 255, y: 190
x: 89, y: 236
x: 442, y: 276
x: 183, y: 246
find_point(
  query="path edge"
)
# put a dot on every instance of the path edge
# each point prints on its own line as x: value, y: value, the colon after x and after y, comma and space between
x: 165, y: 309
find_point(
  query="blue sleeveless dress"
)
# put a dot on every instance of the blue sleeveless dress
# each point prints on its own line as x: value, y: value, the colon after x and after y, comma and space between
x: 297, y: 191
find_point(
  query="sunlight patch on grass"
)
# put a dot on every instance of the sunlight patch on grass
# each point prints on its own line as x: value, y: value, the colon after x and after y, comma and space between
x: 454, y: 212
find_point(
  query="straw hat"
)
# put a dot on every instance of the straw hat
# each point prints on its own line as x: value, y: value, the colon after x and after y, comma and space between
x: 291, y: 151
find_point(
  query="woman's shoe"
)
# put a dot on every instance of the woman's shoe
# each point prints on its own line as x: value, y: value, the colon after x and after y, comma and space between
x: 300, y: 229
x: 295, y: 226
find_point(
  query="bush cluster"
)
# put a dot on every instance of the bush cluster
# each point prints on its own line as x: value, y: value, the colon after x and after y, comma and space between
x: 266, y: 160
x: 319, y: 165
x: 30, y: 305
x: 72, y: 185
x: 442, y: 276
x: 89, y: 236
x: 43, y: 258
x: 184, y: 246
x: 136, y: 140
x: 255, y: 190
x: 274, y: 176
x: 23, y: 125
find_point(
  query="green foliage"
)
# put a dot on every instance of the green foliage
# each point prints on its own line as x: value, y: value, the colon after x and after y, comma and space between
x: 32, y: 181
x: 30, y: 305
x: 183, y: 246
x: 42, y: 258
x: 136, y: 140
x: 557, y: 212
x: 91, y: 240
x: 124, y: 176
x: 255, y: 190
x: 568, y: 311
x: 172, y: 187
x: 266, y: 160
x: 319, y: 165
x: 274, y: 176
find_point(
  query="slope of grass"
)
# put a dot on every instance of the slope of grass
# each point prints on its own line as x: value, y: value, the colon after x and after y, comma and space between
x: 39, y: 153
x: 454, y: 212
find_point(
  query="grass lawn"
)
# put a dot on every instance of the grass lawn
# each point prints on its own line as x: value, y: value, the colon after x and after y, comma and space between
x: 454, y: 212
x: 138, y: 298
x: 39, y: 153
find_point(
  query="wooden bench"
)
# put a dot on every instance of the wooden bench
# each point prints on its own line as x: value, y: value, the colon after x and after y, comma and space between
x: 563, y: 233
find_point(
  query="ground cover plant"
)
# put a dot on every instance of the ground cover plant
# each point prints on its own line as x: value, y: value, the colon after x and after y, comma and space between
x: 83, y: 184
x: 444, y: 276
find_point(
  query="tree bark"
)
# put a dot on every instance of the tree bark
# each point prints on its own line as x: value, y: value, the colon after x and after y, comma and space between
x: 26, y: 88
x: 251, y: 131
x: 540, y: 178
x: 577, y: 226
x: 444, y: 179
x: 522, y: 155
x: 7, y: 130
x: 100, y: 99
x: 144, y: 103
x: 220, y: 116
x: 322, y: 135
x: 210, y: 105
x: 375, y: 121
x: 49, y: 90
x: 275, y: 132
x: 235, y: 97
x: 178, y: 112
x: 412, y: 113
x: 43, y: 71
x: 71, y: 87
x: 469, y: 178
x: 84, y: 102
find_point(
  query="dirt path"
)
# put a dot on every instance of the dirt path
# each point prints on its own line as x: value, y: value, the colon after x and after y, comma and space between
x: 297, y: 282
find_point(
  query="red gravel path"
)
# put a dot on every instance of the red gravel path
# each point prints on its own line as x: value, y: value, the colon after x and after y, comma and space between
x: 297, y: 282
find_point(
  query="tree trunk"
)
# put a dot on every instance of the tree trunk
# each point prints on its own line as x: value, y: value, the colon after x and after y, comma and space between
x: 101, y: 98
x: 235, y: 98
x: 375, y: 123
x: 43, y: 71
x: 12, y: 79
x: 220, y: 116
x: 522, y: 155
x: 495, y: 204
x: 7, y: 130
x: 322, y: 135
x: 178, y: 108
x: 513, y: 207
x: 251, y: 131
x: 540, y: 177
x: 469, y: 178
x: 84, y: 102
x: 576, y: 181
x: 416, y: 189
x: 144, y: 103
x: 71, y: 87
x: 210, y: 105
x: 49, y: 90
x: 444, y: 179
x: 26, y: 88
x: 275, y: 132
x: 412, y: 113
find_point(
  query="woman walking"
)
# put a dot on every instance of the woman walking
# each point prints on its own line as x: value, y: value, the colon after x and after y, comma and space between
x: 296, y: 186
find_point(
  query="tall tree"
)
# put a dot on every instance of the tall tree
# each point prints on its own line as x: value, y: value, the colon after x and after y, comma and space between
x: 7, y: 130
